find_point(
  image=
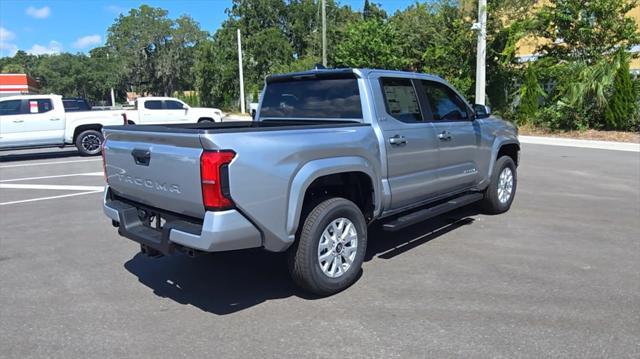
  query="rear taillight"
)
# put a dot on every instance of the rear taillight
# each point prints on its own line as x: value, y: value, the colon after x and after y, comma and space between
x: 104, y: 161
x: 215, y: 179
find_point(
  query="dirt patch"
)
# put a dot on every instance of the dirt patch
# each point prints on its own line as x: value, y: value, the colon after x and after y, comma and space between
x: 618, y: 136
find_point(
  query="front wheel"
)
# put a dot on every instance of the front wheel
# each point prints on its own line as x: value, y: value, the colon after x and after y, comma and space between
x: 330, y: 249
x: 498, y: 197
x: 89, y: 142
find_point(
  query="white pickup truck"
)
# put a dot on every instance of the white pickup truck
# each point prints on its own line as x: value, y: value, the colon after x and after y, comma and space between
x: 168, y: 110
x: 29, y: 121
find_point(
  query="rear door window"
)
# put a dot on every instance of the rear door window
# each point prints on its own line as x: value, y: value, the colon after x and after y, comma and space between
x: 337, y: 98
x: 400, y: 99
x: 153, y: 105
x: 44, y: 105
x: 173, y: 105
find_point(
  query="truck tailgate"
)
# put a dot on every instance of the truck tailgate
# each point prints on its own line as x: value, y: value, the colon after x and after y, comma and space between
x: 161, y: 170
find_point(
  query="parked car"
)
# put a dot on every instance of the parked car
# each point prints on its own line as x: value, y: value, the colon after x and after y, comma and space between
x: 167, y: 110
x: 330, y: 152
x: 28, y: 121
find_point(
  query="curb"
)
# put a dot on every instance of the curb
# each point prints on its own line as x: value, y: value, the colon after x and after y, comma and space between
x: 569, y: 142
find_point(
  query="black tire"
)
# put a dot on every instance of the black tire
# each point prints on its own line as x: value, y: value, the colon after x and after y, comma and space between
x: 206, y: 120
x: 304, y: 264
x: 89, y: 142
x: 491, y: 203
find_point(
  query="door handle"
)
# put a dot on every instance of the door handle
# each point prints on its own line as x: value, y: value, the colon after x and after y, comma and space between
x: 18, y: 121
x: 54, y: 119
x: 398, y: 140
x: 445, y: 136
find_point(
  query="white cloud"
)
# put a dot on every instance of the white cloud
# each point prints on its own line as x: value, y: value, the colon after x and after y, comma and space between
x: 6, y: 35
x: 87, y: 41
x: 115, y: 9
x: 54, y: 47
x: 7, y: 48
x: 38, y: 13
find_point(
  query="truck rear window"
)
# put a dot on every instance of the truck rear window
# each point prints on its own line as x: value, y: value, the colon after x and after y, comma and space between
x: 312, y: 98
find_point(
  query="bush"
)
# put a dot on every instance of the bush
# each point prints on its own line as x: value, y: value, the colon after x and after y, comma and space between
x: 621, y: 111
x: 530, y: 95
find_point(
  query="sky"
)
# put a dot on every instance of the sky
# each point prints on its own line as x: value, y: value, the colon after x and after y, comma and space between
x: 54, y: 26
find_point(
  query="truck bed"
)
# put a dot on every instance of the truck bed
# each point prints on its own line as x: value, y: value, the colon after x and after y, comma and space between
x: 267, y: 150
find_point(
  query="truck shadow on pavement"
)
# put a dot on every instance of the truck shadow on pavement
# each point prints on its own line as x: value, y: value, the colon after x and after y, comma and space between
x: 225, y: 283
x: 53, y: 154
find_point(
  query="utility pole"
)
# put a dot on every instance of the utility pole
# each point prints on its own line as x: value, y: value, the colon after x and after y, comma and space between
x: 240, y: 70
x: 113, y: 97
x: 481, y: 54
x: 324, y: 33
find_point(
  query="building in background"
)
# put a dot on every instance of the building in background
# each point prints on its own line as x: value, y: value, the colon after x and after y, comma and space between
x: 17, y: 84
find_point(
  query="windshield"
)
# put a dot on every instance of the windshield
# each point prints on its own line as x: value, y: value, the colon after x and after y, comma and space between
x: 337, y: 98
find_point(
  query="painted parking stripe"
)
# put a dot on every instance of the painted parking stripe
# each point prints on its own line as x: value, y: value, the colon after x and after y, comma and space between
x: 51, y: 197
x: 48, y: 163
x: 56, y: 176
x: 51, y: 187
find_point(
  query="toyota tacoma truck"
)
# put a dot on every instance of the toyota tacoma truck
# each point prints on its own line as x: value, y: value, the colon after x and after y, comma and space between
x: 32, y: 121
x: 330, y: 152
x: 169, y: 110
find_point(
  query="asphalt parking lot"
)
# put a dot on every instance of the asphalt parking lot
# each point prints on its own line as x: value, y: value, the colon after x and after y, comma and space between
x: 557, y: 276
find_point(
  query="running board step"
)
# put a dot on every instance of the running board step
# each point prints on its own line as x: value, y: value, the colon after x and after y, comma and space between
x: 424, y: 214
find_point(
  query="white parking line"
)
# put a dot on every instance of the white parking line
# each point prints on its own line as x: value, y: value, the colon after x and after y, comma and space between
x: 56, y: 176
x: 49, y: 163
x: 51, y: 187
x: 52, y: 197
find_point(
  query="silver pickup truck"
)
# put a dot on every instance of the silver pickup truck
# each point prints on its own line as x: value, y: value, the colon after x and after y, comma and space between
x: 330, y: 152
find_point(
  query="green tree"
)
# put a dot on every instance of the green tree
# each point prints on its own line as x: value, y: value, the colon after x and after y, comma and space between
x: 216, y: 68
x: 582, y: 61
x: 12, y: 68
x: 373, y: 11
x: 369, y: 43
x: 530, y: 94
x: 276, y: 36
x: 586, y: 31
x: 449, y: 51
x: 622, y: 107
x: 156, y: 53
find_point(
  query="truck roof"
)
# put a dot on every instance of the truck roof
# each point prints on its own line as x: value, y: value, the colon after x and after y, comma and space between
x: 359, y: 72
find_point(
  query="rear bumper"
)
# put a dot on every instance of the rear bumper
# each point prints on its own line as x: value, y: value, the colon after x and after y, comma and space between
x: 219, y: 231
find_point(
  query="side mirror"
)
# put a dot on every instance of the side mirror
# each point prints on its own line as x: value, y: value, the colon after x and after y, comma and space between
x: 482, y: 111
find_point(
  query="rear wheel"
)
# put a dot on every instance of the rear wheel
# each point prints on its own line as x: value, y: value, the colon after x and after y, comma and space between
x: 206, y: 120
x: 89, y: 142
x: 330, y: 249
x: 502, y: 189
